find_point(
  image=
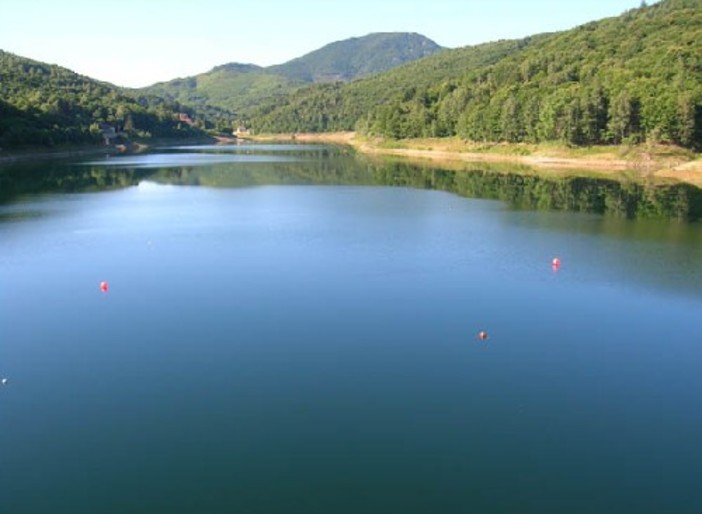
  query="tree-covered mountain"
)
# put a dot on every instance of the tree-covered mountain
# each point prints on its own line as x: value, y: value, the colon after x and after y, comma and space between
x: 43, y: 104
x: 632, y: 78
x: 339, y: 106
x: 242, y: 87
x: 233, y: 87
x: 625, y: 79
x: 353, y: 58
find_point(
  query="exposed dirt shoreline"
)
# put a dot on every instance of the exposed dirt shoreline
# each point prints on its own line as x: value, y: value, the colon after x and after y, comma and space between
x: 645, y: 162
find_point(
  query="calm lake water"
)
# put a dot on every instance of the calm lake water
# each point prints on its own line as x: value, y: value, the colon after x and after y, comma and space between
x: 293, y: 329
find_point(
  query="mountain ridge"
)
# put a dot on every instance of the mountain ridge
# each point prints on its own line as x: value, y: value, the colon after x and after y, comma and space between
x: 236, y: 86
x: 627, y: 79
x: 47, y: 105
x: 356, y: 57
x: 632, y: 78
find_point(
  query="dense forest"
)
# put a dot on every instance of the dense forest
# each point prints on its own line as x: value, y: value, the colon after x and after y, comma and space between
x: 633, y: 78
x: 628, y: 79
x: 42, y: 104
x: 240, y: 88
x: 339, y: 106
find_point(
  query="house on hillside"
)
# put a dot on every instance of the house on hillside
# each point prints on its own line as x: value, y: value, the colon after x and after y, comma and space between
x: 241, y: 131
x: 109, y: 132
x: 184, y: 117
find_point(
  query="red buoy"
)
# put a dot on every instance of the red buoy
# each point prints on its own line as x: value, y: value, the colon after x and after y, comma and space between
x: 103, y: 286
x: 482, y: 335
x: 556, y: 263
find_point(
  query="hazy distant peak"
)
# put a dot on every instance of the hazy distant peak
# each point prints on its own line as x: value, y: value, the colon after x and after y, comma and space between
x: 237, y: 67
x: 358, y: 56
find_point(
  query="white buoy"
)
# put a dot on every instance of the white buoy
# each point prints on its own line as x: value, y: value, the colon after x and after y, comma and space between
x: 3, y: 381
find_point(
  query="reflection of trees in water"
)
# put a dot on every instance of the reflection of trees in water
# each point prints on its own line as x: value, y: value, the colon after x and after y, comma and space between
x: 625, y: 199
x: 519, y: 190
x: 30, y: 179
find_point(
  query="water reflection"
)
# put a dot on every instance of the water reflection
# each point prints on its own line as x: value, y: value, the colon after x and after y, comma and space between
x: 26, y: 179
x: 246, y: 148
x: 251, y: 165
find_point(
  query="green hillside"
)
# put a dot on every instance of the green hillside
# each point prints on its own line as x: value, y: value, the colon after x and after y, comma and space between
x: 339, y: 106
x: 632, y: 78
x: 231, y: 87
x: 42, y: 104
x: 626, y: 79
x: 353, y: 58
x: 243, y: 87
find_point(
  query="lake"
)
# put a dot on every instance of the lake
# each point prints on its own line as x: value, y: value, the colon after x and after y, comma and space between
x: 294, y: 329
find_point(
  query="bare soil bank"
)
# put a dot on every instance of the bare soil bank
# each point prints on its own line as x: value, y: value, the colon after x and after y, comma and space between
x: 644, y: 161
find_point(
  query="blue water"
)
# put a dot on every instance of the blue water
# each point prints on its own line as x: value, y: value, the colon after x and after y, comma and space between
x: 307, y: 348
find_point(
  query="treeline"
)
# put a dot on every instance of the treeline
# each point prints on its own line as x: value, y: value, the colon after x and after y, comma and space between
x: 17, y: 180
x: 527, y: 191
x: 242, y: 88
x: 339, y: 106
x: 534, y: 192
x: 622, y: 80
x: 634, y: 78
x: 357, y: 57
x: 223, y: 92
x: 43, y: 104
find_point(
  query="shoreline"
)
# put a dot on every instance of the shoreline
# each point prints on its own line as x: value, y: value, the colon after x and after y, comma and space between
x: 133, y: 147
x: 654, y: 162
x: 657, y: 162
x: 40, y: 154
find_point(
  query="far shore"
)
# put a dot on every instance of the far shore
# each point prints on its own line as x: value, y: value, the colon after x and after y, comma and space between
x: 83, y: 150
x: 34, y: 154
x: 643, y: 161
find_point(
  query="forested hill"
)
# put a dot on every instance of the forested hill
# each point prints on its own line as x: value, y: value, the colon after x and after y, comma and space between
x: 241, y: 87
x: 43, y: 104
x: 625, y: 79
x: 339, y: 106
x: 357, y: 57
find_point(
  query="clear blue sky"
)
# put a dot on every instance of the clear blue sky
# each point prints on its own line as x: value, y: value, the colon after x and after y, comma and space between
x: 139, y: 42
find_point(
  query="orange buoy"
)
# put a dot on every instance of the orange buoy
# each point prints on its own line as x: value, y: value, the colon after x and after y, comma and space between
x: 482, y: 335
x: 103, y: 286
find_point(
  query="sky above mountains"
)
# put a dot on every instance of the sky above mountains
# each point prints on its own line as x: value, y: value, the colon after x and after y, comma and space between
x: 139, y: 42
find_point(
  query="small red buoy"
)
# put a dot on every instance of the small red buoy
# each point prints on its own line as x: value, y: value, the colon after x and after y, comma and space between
x: 103, y: 286
x: 482, y: 335
x: 556, y: 263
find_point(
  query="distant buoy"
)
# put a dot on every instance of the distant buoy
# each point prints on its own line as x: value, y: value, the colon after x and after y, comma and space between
x: 3, y: 381
x: 555, y: 263
x: 103, y: 286
x: 482, y: 335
